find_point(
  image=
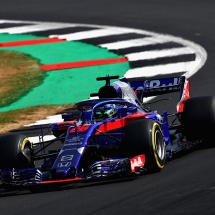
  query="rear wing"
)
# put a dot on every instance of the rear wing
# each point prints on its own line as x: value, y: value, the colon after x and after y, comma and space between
x: 154, y: 87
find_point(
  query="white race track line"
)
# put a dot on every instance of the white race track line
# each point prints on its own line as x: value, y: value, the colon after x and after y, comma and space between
x: 159, y: 53
x: 32, y: 28
x: 90, y: 34
x: 134, y: 43
x: 151, y: 71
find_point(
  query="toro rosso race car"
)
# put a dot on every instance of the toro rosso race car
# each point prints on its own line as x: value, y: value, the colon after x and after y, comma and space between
x: 115, y: 136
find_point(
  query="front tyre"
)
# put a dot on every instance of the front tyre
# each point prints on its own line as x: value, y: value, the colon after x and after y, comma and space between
x: 15, y: 151
x: 145, y: 137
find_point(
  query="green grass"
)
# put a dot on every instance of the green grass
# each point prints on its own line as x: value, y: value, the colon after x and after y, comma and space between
x: 19, y: 73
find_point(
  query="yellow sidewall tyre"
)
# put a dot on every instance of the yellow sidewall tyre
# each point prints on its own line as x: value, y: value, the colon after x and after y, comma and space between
x: 146, y: 137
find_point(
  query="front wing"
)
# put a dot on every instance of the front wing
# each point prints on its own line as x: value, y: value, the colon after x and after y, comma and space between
x: 99, y: 170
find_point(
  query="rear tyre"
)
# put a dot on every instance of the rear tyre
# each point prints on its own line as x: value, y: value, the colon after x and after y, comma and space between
x: 15, y: 151
x: 145, y: 137
x: 198, y: 118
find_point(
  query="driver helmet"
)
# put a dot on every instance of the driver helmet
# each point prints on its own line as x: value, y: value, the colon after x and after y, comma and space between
x: 107, y: 111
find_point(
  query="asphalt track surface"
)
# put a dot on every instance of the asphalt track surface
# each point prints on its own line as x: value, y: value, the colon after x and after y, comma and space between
x: 186, y: 185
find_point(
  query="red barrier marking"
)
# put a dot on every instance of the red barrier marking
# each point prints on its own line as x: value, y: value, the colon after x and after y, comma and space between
x: 31, y: 42
x: 58, y: 66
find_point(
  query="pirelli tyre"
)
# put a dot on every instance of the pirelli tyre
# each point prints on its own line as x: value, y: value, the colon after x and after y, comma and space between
x: 145, y: 137
x: 198, y: 118
x: 15, y: 151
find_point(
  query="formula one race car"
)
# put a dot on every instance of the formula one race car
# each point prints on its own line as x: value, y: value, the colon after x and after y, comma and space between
x: 115, y: 136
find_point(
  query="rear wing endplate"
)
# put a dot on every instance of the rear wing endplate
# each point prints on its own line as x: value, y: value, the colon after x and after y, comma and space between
x: 154, y: 87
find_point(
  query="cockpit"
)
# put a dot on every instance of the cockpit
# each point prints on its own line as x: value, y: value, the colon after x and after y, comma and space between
x: 114, y: 100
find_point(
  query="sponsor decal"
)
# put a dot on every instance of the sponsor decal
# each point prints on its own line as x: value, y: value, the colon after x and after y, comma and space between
x: 73, y: 144
x: 137, y: 162
x: 64, y: 164
x: 163, y: 82
x: 66, y: 157
x: 74, y: 141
